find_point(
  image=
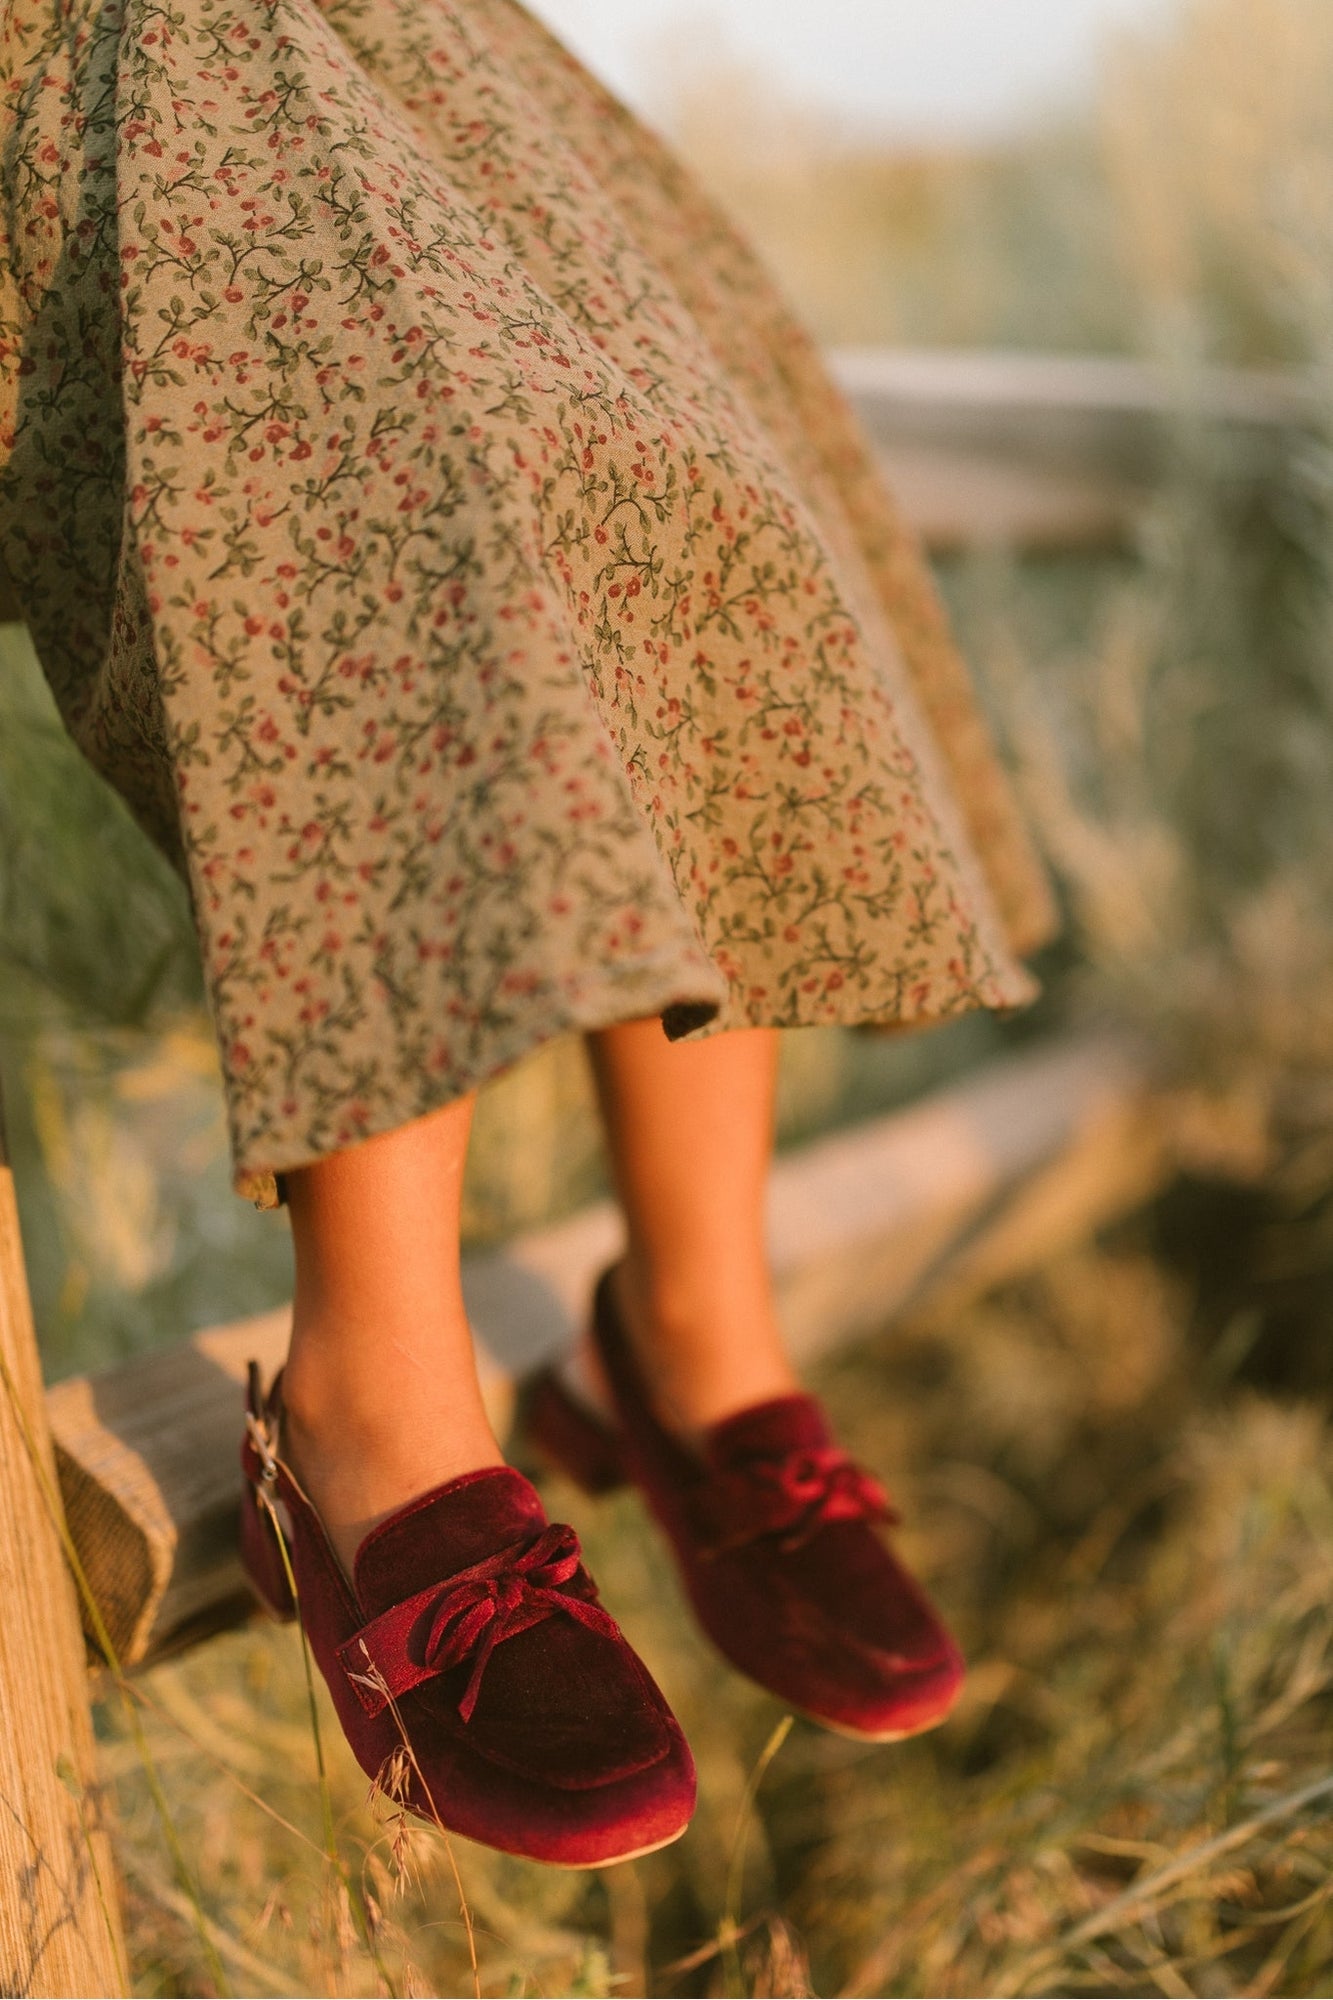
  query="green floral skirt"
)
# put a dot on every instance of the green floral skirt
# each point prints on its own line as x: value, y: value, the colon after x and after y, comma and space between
x: 433, y: 524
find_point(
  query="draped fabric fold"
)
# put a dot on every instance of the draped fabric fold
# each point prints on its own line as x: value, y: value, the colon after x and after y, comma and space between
x: 434, y: 525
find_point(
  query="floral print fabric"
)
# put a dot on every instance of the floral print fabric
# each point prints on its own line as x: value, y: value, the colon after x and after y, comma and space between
x: 431, y: 521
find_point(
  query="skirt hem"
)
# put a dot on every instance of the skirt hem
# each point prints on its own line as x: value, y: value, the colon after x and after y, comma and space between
x: 608, y: 1005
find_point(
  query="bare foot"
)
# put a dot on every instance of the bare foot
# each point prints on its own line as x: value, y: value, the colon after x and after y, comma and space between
x: 380, y: 1390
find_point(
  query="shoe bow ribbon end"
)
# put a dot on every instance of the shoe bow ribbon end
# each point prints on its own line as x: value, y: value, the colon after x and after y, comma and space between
x: 468, y: 1616
x: 792, y: 1497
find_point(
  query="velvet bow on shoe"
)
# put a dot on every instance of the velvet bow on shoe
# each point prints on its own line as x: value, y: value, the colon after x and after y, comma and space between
x: 469, y: 1655
x: 775, y: 1532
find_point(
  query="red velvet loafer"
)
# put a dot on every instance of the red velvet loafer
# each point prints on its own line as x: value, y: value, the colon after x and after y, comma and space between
x: 472, y: 1668
x: 775, y: 1533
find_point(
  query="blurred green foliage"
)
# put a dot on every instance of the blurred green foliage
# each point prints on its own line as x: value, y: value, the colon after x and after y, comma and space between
x: 94, y: 924
x: 113, y: 1108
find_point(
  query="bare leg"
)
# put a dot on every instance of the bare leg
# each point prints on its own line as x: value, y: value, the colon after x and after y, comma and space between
x: 381, y: 1393
x: 690, y: 1128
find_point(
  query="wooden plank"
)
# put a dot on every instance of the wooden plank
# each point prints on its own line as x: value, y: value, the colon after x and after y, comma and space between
x: 60, y: 1927
x: 958, y: 499
x: 1049, y: 451
x: 148, y: 1463
x: 1087, y: 413
x: 861, y: 1223
x: 879, y: 1219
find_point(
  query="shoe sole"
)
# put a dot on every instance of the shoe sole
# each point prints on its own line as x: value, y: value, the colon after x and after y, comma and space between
x: 879, y: 1735
x: 615, y: 1860
x: 569, y: 1867
x: 286, y: 1617
x: 845, y: 1729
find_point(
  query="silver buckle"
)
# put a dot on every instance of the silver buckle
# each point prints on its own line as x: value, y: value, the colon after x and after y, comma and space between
x: 258, y: 1433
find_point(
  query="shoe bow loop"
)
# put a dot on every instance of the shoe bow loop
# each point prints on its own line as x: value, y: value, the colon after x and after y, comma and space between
x: 792, y: 1497
x: 468, y: 1616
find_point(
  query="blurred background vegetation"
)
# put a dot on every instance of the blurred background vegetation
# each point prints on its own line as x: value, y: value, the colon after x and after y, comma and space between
x: 1117, y: 1475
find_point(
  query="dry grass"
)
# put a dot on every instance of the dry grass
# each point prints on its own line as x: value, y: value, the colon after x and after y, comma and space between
x: 1138, y: 1553
x: 1147, y: 1602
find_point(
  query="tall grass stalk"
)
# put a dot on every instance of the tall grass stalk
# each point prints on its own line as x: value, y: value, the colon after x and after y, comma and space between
x: 140, y: 1694
x: 70, y: 1779
x: 351, y: 1889
x: 729, y: 1931
x: 410, y: 1757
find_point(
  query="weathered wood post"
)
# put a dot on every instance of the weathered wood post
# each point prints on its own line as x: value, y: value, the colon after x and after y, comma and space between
x: 59, y: 1916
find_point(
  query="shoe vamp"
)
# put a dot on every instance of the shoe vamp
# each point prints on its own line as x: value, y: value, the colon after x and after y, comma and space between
x: 560, y: 1704
x: 841, y: 1594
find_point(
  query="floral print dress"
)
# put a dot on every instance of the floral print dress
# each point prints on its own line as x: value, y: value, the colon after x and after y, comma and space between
x: 434, y: 525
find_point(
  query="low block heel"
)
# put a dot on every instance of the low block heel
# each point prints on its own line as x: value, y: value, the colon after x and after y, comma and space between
x: 569, y: 1437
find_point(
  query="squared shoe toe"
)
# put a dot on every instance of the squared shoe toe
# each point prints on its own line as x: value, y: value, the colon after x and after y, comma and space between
x: 777, y: 1534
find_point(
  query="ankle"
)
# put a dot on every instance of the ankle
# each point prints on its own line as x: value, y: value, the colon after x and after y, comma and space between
x: 369, y: 1374
x: 365, y: 1439
x: 706, y: 1350
x: 367, y: 1420
x: 680, y: 1305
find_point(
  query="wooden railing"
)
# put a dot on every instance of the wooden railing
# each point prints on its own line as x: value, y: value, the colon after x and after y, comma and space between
x: 1051, y: 451
x: 59, y: 1918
